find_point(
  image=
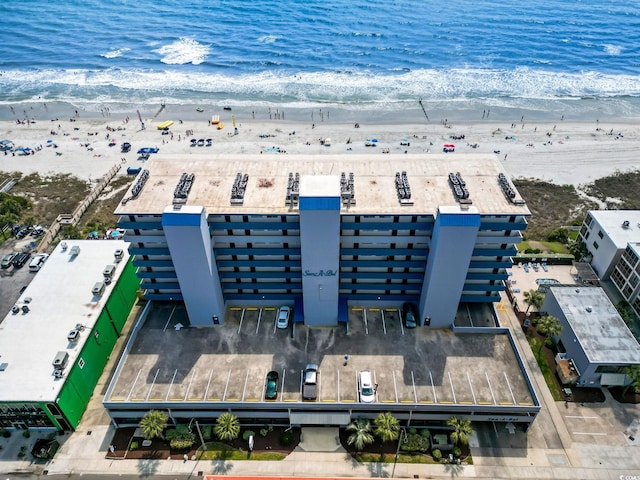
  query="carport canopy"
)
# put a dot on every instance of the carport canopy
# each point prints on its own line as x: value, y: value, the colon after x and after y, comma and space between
x: 319, y: 418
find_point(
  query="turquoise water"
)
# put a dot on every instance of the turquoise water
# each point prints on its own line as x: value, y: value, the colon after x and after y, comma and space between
x: 555, y: 54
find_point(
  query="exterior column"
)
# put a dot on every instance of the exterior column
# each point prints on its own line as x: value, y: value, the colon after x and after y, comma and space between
x: 319, y: 208
x: 189, y: 242
x: 454, y: 237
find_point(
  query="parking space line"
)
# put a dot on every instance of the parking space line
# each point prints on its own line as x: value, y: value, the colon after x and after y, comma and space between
x: 400, y: 320
x: 152, y: 383
x: 244, y: 310
x: 366, y: 325
x: 244, y: 388
x: 190, y: 382
x: 258, y: 323
x: 395, y: 386
x: 510, y: 390
x: 169, y: 319
x: 473, y: 394
x: 435, y: 397
x: 578, y: 416
x: 490, y: 389
x: 413, y: 384
x: 224, y: 394
x: 590, y: 433
x: 208, y: 384
x: 452, y: 389
x: 384, y: 323
x: 175, y: 372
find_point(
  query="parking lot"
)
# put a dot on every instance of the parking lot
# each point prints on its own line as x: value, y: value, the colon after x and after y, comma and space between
x: 230, y: 363
x: 12, y: 280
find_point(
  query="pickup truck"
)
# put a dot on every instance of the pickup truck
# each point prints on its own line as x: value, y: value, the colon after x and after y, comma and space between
x: 310, y: 382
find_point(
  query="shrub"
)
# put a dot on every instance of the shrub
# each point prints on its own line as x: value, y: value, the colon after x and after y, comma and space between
x: 413, y: 431
x: 437, y: 455
x: 247, y: 434
x: 183, y: 442
x: 548, y: 342
x: 133, y: 446
x: 286, y: 439
x: 415, y: 443
x: 26, y: 434
x: 6, y: 433
x: 206, y: 432
x: 457, y: 452
x: 264, y: 432
x: 270, y: 427
x: 425, y: 433
x: 21, y: 454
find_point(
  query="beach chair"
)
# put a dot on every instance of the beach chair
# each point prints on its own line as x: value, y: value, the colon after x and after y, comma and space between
x: 215, y: 119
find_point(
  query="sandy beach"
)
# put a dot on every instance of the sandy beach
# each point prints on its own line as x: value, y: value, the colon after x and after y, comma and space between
x: 88, y: 144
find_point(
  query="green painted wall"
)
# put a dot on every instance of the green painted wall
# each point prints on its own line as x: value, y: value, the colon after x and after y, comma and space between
x: 83, y: 376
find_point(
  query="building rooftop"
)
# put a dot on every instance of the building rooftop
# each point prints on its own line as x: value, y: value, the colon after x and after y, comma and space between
x: 374, y: 182
x: 597, y: 325
x: 60, y: 298
x: 613, y: 224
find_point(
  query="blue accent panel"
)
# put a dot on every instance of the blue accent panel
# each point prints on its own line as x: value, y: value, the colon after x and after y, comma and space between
x: 261, y: 286
x: 419, y: 252
x: 384, y: 263
x: 256, y: 251
x: 479, y: 298
x: 279, y: 297
x: 496, y: 264
x: 258, y: 263
x: 361, y: 297
x: 298, y: 309
x: 164, y: 296
x: 278, y: 226
x: 459, y: 219
x: 498, y: 226
x: 181, y: 219
x: 495, y: 252
x: 487, y: 276
x: 343, y: 309
x: 319, y: 203
x: 149, y: 251
x: 481, y: 287
x: 381, y: 286
x: 145, y: 274
x: 140, y: 225
x: 233, y: 275
x: 153, y: 263
x: 385, y: 226
x: 160, y: 286
x: 384, y: 275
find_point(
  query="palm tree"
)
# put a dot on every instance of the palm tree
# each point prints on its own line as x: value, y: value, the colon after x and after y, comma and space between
x: 227, y: 427
x: 387, y: 427
x: 533, y: 298
x: 633, y: 372
x: 549, y: 327
x: 153, y: 424
x: 361, y: 436
x: 461, y: 430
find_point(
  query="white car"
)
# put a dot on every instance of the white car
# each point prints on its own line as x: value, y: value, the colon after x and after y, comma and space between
x: 283, y: 317
x: 37, y: 262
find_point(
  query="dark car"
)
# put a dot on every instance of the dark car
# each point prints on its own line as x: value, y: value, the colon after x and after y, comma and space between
x: 21, y: 259
x: 271, y: 388
x: 410, y: 314
x: 125, y: 147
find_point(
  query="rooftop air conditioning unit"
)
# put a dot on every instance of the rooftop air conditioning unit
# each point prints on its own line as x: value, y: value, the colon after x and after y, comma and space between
x: 118, y: 254
x: 98, y: 289
x: 60, y: 360
x: 589, y: 309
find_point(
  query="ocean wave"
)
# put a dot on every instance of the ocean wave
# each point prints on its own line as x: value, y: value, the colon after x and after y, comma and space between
x: 183, y: 51
x: 114, y: 53
x: 267, y: 39
x: 352, y: 86
x: 612, y: 49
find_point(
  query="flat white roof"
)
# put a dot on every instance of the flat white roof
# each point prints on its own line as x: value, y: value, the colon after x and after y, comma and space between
x: 611, y: 223
x: 602, y: 333
x: 374, y: 182
x: 61, y: 298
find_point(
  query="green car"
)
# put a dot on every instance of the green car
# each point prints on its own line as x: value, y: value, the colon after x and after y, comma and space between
x: 271, y: 390
x: 8, y: 258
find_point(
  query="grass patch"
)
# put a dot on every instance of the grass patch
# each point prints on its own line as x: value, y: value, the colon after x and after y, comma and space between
x: 222, y: 451
x: 619, y: 191
x: 546, y: 247
x: 547, y: 372
x: 101, y: 211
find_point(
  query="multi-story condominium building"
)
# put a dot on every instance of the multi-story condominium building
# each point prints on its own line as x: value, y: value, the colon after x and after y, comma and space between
x: 323, y: 232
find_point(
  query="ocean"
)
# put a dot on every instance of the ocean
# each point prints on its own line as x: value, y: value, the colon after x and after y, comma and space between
x: 549, y: 57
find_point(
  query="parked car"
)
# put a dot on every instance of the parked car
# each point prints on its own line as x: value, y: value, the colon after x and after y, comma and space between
x: 410, y: 314
x: 309, y: 386
x: 21, y: 259
x: 37, y: 262
x: 271, y: 388
x: 365, y: 387
x: 283, y: 316
x: 8, y: 259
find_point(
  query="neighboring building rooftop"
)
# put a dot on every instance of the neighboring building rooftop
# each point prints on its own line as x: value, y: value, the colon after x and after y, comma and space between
x: 374, y: 181
x: 613, y: 224
x: 597, y: 325
x: 61, y: 297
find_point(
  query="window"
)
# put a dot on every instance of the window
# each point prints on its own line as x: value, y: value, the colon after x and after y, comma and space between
x: 595, y: 245
x: 81, y: 363
x: 600, y: 234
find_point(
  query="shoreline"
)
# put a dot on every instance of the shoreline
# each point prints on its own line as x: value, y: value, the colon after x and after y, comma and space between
x: 561, y: 151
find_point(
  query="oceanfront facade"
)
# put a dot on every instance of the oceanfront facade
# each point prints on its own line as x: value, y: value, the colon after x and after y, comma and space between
x: 321, y: 233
